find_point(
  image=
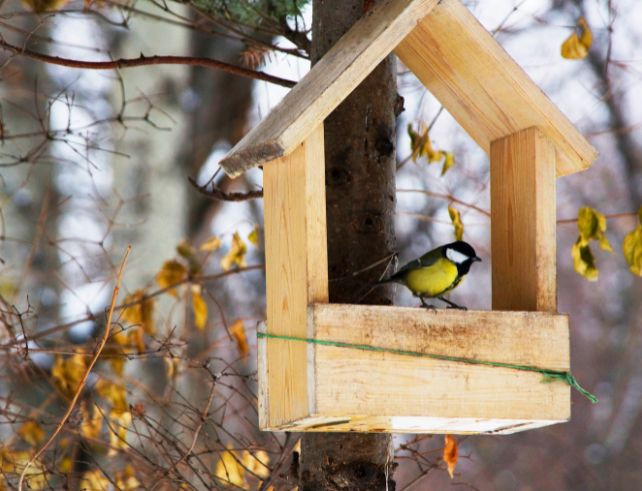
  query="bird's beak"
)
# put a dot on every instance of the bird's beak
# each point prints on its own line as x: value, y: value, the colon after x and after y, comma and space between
x: 477, y: 259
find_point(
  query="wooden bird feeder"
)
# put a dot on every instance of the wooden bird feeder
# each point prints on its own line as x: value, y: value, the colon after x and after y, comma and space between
x: 306, y: 386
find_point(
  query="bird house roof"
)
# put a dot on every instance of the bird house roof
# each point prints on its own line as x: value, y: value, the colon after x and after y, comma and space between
x: 455, y: 58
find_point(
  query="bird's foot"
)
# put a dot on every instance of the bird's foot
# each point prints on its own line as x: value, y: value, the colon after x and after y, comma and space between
x: 452, y: 305
x: 427, y: 306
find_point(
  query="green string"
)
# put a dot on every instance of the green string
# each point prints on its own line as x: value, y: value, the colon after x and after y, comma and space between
x: 549, y: 375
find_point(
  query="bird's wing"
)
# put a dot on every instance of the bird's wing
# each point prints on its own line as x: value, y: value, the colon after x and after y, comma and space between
x: 427, y: 259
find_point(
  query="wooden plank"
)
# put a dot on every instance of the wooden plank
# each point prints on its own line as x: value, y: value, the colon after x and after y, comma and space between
x: 523, y: 220
x: 352, y: 383
x: 483, y: 87
x: 327, y: 84
x: 296, y: 275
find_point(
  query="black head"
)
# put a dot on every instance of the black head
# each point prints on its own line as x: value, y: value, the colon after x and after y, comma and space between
x: 462, y: 254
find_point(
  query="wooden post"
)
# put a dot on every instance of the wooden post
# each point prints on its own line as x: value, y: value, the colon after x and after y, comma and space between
x: 296, y: 274
x: 522, y: 169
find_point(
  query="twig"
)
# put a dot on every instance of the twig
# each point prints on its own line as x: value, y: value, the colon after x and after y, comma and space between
x: 99, y: 350
x: 219, y: 195
x: 148, y: 60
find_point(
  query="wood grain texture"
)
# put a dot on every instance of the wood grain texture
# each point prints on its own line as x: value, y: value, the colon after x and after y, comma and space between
x: 483, y: 87
x: 296, y: 275
x: 327, y: 84
x: 523, y: 221
x: 379, y: 391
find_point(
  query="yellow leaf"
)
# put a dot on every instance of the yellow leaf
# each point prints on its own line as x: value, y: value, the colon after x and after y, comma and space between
x: 421, y: 146
x: 65, y: 466
x: 449, y: 161
x: 576, y: 47
x: 236, y: 254
x: 253, y: 236
x: 14, y: 462
x: 229, y: 471
x: 257, y: 462
x: 451, y: 453
x: 140, y: 311
x: 632, y: 247
x: 172, y: 273
x: 583, y: 261
x: 68, y: 372
x: 32, y: 433
x: 210, y: 245
x: 115, y: 394
x: 126, y: 479
x: 199, y: 306
x: 237, y: 330
x: 91, y: 423
x: 455, y: 218
x: 185, y: 249
x: 94, y: 480
x: 119, y: 421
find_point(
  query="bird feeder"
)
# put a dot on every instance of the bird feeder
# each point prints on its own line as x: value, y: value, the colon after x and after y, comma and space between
x: 309, y: 377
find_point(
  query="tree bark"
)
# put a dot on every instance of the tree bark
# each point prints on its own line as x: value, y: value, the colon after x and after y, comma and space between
x: 360, y: 190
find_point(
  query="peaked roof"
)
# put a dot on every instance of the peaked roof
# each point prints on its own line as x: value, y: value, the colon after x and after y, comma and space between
x: 452, y: 54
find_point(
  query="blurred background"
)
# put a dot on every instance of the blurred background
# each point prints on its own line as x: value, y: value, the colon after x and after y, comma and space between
x: 92, y: 160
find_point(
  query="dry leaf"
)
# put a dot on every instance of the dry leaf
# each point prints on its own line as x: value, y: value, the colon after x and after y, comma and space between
x: 172, y: 273
x: 14, y: 462
x: 141, y: 311
x: 126, y: 479
x: 237, y: 330
x: 199, y: 306
x: 577, y: 46
x: 591, y: 225
x: 210, y: 245
x: 94, y: 480
x: 449, y: 161
x: 253, y: 236
x: 451, y: 453
x: 229, y: 471
x: 257, y: 462
x: 32, y: 433
x: 91, y: 423
x: 455, y: 218
x: 115, y: 394
x: 39, y: 6
x: 236, y: 254
x: 68, y: 372
x: 632, y: 247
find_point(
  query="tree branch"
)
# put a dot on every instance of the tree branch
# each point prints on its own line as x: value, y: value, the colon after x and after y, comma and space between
x: 147, y: 60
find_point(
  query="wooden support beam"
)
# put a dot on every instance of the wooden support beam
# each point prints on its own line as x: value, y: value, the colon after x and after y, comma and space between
x: 483, y: 88
x: 359, y: 390
x: 327, y: 84
x: 296, y: 274
x: 523, y: 218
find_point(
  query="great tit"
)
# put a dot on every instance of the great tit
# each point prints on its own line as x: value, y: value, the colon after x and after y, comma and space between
x: 437, y: 272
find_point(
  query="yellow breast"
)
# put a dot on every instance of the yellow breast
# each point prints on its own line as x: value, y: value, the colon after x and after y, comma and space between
x: 432, y: 280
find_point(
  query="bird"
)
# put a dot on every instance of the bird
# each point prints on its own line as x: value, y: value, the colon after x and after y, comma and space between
x: 437, y: 272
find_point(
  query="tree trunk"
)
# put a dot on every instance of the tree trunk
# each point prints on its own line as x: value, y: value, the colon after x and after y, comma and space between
x: 360, y: 190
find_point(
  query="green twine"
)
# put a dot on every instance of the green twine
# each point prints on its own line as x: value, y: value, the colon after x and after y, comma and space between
x: 549, y: 375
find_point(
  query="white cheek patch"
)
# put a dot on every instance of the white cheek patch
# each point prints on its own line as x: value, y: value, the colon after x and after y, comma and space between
x: 456, y: 256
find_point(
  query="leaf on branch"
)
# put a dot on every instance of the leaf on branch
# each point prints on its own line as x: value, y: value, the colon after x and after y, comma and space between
x: 632, y: 247
x: 140, y: 311
x: 91, y: 423
x: 449, y: 161
x: 577, y: 45
x: 172, y: 273
x: 455, y: 218
x: 39, y: 6
x: 253, y: 236
x: 228, y: 469
x: 451, y: 453
x: 591, y: 225
x: 94, y: 480
x: 210, y: 245
x: 32, y: 433
x: 68, y: 372
x: 126, y: 479
x: 237, y: 330
x: 14, y: 462
x: 257, y: 462
x: 236, y: 254
x: 199, y: 307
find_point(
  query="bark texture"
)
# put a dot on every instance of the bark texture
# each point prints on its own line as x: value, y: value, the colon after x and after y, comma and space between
x: 360, y: 187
